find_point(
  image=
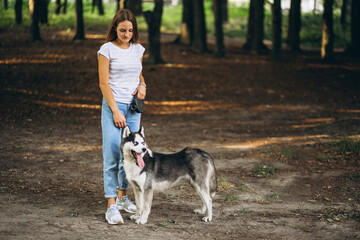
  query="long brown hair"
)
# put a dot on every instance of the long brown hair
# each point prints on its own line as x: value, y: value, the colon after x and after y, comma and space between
x: 120, y: 16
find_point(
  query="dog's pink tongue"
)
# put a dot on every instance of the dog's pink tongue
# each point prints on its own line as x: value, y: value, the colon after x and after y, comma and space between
x: 140, y: 160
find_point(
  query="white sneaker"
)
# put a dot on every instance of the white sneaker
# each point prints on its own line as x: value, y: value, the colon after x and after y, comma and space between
x: 113, y: 215
x: 126, y: 204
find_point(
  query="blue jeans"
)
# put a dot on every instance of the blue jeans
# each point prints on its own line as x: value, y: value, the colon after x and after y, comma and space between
x: 114, y: 173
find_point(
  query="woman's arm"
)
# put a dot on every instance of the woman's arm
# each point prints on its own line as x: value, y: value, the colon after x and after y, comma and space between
x: 141, y: 89
x: 119, y: 118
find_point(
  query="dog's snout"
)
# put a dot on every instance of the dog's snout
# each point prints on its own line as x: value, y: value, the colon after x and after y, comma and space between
x: 144, y: 149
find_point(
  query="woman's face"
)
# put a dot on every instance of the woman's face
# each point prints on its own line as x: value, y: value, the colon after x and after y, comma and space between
x: 125, y: 31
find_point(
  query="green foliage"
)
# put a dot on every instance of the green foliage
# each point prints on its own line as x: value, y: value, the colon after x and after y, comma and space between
x: 289, y: 153
x: 324, y: 158
x: 355, y: 175
x: 171, y: 21
x: 273, y: 196
x: 229, y: 197
x: 347, y: 146
x: 264, y: 171
x: 163, y: 224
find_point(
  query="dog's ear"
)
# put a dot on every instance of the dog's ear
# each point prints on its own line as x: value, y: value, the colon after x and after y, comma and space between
x: 126, y: 132
x: 142, y: 131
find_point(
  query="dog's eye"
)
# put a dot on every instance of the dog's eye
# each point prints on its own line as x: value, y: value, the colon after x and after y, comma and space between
x: 136, y: 143
x: 143, y: 143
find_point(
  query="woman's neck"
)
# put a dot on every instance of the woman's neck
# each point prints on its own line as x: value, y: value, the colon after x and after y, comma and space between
x: 122, y: 45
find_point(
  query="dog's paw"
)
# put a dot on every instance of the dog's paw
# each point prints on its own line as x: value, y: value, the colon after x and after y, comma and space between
x: 207, y: 219
x: 134, y: 217
x: 141, y: 221
x: 199, y: 211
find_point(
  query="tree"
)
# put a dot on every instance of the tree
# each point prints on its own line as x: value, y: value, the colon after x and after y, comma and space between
x: 18, y: 11
x: 99, y: 5
x: 199, y: 42
x: 354, y: 47
x: 224, y: 10
x: 57, y: 7
x: 255, y: 25
x: 277, y: 21
x: 79, y: 24
x: 327, y: 42
x: 5, y: 4
x: 344, y: 13
x: 135, y: 6
x: 34, y: 10
x: 64, y: 7
x: 293, y: 38
x: 220, y: 49
x: 153, y: 19
x: 250, y: 26
x: 258, y: 32
x: 44, y: 11
x: 187, y: 24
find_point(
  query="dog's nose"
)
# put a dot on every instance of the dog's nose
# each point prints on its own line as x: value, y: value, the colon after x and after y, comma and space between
x: 144, y: 149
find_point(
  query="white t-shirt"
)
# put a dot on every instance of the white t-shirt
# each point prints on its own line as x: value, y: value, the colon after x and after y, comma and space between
x: 124, y: 70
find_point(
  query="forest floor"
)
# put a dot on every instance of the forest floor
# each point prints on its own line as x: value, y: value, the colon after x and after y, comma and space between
x: 284, y: 137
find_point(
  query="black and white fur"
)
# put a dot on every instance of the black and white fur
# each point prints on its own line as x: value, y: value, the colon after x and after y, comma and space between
x: 161, y: 171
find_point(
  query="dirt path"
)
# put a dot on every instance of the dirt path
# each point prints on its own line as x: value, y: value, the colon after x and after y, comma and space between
x: 272, y: 129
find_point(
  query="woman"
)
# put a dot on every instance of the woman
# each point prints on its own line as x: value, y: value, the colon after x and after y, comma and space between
x: 120, y: 78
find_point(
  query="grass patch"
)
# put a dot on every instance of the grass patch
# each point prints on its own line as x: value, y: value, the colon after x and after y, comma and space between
x: 354, y: 176
x: 264, y: 171
x: 347, y: 145
x: 337, y: 215
x: 325, y: 158
x: 163, y: 224
x: 288, y: 153
x: 168, y: 196
x: 224, y: 185
x: 243, y: 187
x: 230, y: 198
x: 274, y: 196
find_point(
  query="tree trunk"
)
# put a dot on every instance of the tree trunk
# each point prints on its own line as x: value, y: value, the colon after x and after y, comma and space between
x: 118, y: 4
x: 225, y: 12
x: 93, y: 5
x: 79, y: 24
x: 135, y: 6
x: 354, y: 47
x: 219, y: 48
x: 6, y: 4
x: 153, y: 20
x: 327, y: 43
x: 250, y: 26
x: 277, y: 21
x: 57, y: 7
x: 34, y: 10
x: 293, y: 38
x: 257, y: 42
x: 344, y: 14
x: 64, y: 7
x: 187, y: 24
x: 18, y: 11
x: 199, y: 43
x: 44, y: 11
x: 100, y: 7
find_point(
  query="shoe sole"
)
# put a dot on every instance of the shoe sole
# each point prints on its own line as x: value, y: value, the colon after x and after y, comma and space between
x: 113, y: 223
x: 125, y: 209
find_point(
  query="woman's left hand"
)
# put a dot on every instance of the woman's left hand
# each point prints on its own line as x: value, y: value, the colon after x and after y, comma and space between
x: 141, y: 91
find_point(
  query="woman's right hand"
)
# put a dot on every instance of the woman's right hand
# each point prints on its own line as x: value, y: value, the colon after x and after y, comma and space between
x: 119, y: 119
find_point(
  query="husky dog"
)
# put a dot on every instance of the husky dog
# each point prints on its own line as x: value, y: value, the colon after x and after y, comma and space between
x: 147, y: 171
